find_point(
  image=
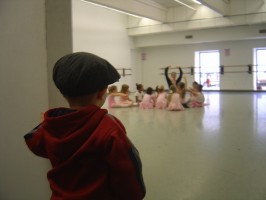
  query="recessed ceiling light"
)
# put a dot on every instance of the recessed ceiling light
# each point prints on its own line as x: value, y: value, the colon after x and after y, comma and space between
x: 120, y: 11
x: 195, y: 1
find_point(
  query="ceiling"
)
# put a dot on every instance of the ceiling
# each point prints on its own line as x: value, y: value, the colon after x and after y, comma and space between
x: 173, y: 17
x: 171, y: 21
x: 172, y: 3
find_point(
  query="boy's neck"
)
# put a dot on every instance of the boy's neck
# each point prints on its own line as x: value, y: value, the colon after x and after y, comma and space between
x: 78, y: 103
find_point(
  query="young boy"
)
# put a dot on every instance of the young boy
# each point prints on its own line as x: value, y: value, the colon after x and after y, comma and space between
x: 91, y: 156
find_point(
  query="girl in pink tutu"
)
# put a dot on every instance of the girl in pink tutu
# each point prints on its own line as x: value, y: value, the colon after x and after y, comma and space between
x: 197, y: 98
x: 174, y: 102
x: 113, y: 94
x: 161, y: 101
x: 125, y: 101
x: 148, y: 99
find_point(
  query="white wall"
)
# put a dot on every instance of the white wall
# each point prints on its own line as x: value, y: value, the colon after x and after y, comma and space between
x: 103, y: 32
x: 58, y: 42
x: 33, y: 36
x: 241, y: 53
x: 24, y: 94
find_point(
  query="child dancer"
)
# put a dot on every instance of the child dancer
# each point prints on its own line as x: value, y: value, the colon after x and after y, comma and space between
x: 139, y: 94
x: 197, y: 98
x: 148, y: 100
x: 161, y: 101
x: 111, y: 97
x: 125, y: 101
x: 192, y: 90
x: 174, y: 103
x: 181, y: 90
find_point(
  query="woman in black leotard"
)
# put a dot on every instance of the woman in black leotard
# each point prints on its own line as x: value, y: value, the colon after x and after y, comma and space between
x: 172, y: 80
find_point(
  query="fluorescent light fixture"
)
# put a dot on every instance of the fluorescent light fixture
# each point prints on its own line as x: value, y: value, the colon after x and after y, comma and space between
x: 197, y: 2
x: 185, y: 4
x: 113, y: 9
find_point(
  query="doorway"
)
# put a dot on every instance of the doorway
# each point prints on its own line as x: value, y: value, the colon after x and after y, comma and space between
x: 260, y: 68
x: 207, y: 70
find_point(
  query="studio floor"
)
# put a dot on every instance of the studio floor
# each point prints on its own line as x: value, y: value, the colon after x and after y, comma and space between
x: 217, y: 152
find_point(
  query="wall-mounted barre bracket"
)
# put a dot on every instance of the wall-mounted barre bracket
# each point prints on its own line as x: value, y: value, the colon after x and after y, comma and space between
x: 192, y: 71
x: 222, y: 69
x: 250, y: 69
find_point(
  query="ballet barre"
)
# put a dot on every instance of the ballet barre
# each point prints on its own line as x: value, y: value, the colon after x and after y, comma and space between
x: 222, y: 69
x: 249, y: 69
x: 123, y: 71
x: 177, y: 67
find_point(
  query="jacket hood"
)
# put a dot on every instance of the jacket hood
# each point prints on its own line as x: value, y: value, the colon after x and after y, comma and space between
x: 64, y: 131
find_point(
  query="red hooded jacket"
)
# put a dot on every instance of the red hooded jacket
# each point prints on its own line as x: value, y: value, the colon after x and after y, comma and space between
x: 91, y: 156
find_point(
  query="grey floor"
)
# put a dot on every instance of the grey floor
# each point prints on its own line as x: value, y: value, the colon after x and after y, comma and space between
x: 213, y: 153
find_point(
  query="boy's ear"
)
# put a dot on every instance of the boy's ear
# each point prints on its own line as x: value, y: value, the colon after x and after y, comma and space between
x: 102, y: 93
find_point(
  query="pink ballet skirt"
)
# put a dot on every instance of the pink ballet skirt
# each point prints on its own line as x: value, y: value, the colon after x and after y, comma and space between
x: 161, y: 102
x: 112, y: 103
x: 147, y: 102
x: 175, y: 103
x: 125, y: 103
x: 196, y: 104
x: 197, y: 101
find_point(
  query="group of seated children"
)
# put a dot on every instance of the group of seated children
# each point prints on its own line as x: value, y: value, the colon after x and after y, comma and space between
x: 174, y: 100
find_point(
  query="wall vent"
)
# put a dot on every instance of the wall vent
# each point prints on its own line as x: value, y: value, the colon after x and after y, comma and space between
x: 189, y: 36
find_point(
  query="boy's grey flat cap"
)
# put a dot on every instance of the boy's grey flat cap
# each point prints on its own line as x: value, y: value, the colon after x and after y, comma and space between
x: 82, y: 73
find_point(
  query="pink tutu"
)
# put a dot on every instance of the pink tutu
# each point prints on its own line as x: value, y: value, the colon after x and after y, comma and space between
x: 175, y: 103
x: 146, y: 105
x: 161, y: 104
x: 174, y: 106
x: 195, y: 104
x: 147, y: 102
